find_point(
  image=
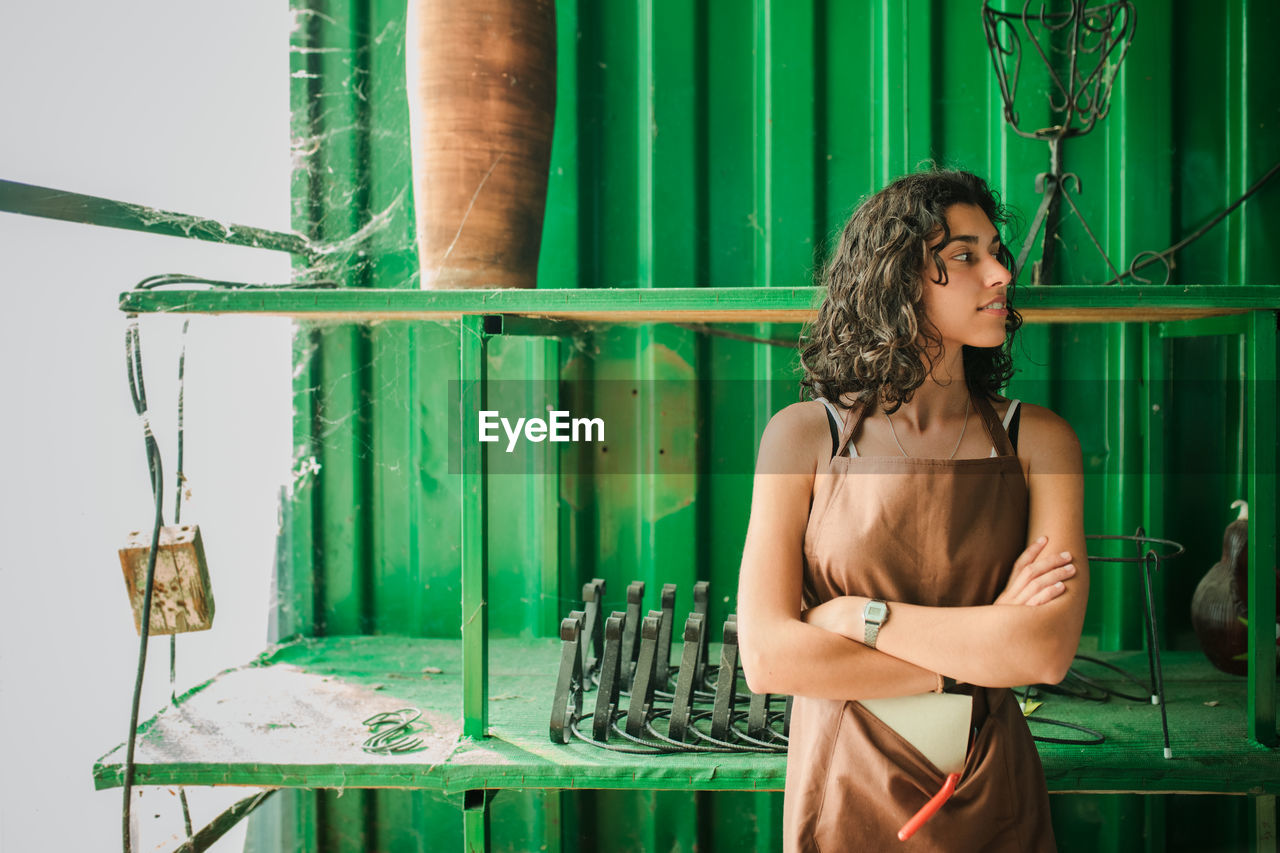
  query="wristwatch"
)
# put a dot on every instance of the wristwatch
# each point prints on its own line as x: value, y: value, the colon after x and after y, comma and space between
x: 874, y: 615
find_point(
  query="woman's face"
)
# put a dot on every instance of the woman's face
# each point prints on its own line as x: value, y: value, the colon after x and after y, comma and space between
x: 970, y: 307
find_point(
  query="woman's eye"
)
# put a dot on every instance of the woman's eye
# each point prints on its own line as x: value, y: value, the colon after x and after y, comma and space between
x: 963, y: 257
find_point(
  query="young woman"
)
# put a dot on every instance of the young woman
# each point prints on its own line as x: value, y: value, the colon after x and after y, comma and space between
x: 912, y: 532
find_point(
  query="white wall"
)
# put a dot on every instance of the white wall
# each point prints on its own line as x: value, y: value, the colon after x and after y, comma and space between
x: 182, y: 106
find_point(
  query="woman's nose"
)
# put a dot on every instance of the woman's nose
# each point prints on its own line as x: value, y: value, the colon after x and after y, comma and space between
x: 998, y: 274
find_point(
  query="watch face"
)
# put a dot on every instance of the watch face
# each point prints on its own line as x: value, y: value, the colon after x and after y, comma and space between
x: 875, y: 611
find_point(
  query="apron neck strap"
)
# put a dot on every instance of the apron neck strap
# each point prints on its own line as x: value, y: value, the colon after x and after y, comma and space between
x: 851, y: 425
x: 999, y: 438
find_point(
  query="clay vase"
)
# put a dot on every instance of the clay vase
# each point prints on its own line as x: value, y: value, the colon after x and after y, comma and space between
x: 1220, y: 604
x: 481, y: 81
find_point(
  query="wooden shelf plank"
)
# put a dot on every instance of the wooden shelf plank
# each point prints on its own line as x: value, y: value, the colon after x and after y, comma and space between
x: 293, y: 717
x: 1057, y: 304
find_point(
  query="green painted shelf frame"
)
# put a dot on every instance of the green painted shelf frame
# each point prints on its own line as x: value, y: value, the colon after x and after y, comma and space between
x: 1057, y: 304
x: 291, y: 718
x: 1164, y: 312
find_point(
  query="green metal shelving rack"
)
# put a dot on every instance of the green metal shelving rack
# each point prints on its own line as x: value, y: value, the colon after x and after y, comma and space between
x: 1216, y: 760
x: 505, y: 749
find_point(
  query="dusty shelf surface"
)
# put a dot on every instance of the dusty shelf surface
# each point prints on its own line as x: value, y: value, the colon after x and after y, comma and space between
x: 293, y: 718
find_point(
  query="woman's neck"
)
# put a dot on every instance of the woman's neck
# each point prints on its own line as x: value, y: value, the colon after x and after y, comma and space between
x: 943, y: 397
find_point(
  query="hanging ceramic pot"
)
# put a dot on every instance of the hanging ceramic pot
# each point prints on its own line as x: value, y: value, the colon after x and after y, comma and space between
x: 1220, y: 606
x: 481, y: 80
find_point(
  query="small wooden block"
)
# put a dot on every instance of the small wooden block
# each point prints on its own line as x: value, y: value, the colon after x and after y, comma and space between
x: 181, y: 598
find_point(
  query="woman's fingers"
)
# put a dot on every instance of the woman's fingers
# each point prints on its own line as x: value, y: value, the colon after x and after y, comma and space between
x: 1032, y: 551
x: 1046, y: 595
x: 1034, y: 578
x: 1033, y: 563
x: 1044, y: 564
x: 1032, y: 573
x: 1048, y: 586
x: 1021, y: 572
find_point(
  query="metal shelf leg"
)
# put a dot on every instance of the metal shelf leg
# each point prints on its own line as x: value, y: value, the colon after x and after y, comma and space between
x: 1261, y: 430
x: 475, y: 821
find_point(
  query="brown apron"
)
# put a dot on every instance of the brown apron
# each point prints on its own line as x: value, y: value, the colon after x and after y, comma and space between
x: 937, y: 532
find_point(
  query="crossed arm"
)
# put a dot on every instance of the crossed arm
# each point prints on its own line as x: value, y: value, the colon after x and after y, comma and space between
x: 1028, y: 635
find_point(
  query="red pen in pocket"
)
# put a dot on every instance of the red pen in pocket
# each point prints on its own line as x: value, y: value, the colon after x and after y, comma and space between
x: 928, y: 809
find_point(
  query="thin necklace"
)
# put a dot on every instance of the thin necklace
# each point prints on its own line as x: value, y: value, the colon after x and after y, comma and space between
x: 967, y: 401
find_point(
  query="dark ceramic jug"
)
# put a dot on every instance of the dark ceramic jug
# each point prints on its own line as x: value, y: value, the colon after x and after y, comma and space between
x: 1220, y: 605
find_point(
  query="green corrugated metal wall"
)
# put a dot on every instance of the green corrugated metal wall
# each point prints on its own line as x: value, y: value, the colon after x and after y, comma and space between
x: 715, y: 143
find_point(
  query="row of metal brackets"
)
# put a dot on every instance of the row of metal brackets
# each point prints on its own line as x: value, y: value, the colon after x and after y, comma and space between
x: 629, y: 654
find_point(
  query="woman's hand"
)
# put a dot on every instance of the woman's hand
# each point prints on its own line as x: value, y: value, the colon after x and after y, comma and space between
x: 840, y: 615
x: 1037, y: 578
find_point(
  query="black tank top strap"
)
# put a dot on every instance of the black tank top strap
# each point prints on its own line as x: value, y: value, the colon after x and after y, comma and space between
x: 999, y: 438
x: 1013, y: 428
x: 834, y: 426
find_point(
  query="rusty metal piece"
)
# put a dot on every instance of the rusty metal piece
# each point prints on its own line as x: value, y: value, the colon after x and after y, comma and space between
x: 642, y: 685
x: 662, y: 668
x: 592, y: 595
x: 566, y: 705
x: 726, y: 682
x: 631, y: 630
x: 610, y: 678
x: 686, y: 680
x: 701, y: 600
x: 758, y: 716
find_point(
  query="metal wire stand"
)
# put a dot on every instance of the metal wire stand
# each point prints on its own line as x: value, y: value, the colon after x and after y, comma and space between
x: 1151, y: 561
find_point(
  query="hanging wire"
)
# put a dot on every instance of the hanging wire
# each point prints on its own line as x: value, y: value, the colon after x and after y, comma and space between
x: 707, y: 329
x: 1165, y: 256
x: 138, y: 394
x: 179, y: 489
x: 1146, y: 693
x: 171, y: 279
x: 1092, y: 737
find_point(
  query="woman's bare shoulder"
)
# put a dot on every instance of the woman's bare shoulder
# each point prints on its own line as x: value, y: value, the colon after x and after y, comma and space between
x: 795, y: 440
x: 1048, y: 441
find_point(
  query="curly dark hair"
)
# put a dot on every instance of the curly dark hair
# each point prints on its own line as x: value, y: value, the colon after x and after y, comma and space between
x: 866, y: 339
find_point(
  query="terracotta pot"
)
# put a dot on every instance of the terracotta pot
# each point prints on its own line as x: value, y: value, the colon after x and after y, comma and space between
x: 481, y: 80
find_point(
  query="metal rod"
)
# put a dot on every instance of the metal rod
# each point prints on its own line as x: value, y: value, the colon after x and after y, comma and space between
x: 48, y: 203
x: 475, y: 820
x: 1153, y: 629
x: 1053, y: 215
x: 474, y: 533
x: 220, y: 825
x: 1261, y: 471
